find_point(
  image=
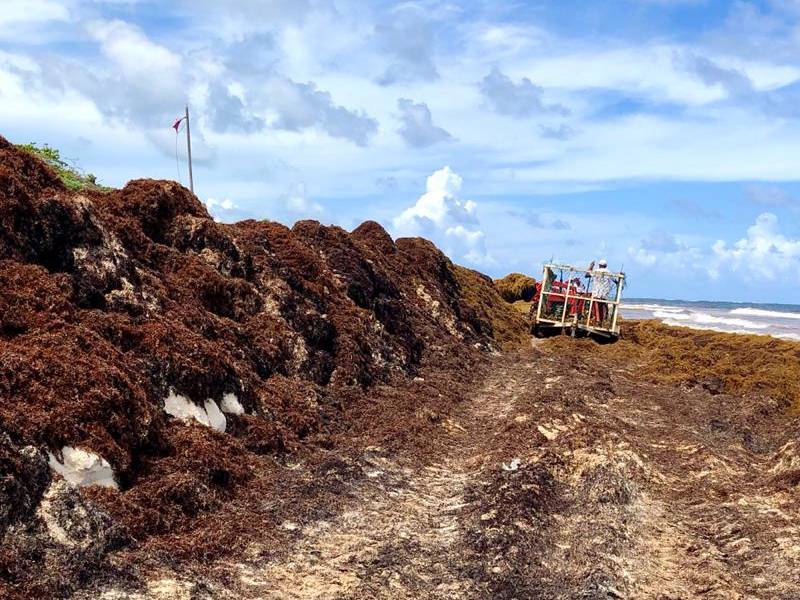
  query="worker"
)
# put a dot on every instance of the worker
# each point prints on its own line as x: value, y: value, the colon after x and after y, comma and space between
x: 579, y: 306
x: 600, y: 287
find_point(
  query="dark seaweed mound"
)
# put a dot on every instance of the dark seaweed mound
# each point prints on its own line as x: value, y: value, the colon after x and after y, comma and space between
x: 110, y: 300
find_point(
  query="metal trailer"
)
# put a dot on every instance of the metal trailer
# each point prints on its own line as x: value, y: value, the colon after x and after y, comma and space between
x: 563, y: 303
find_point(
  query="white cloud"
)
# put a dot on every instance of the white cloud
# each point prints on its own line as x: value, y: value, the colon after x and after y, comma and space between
x: 237, y: 88
x: 467, y: 243
x: 523, y: 99
x: 407, y: 37
x: 20, y: 12
x: 642, y: 256
x: 441, y: 204
x: 444, y: 216
x: 234, y: 19
x: 507, y: 40
x: 771, y: 195
x: 297, y: 203
x: 132, y: 51
x: 168, y: 142
x: 141, y: 81
x: 301, y: 105
x: 764, y: 254
x: 224, y: 204
x: 418, y: 129
x: 668, y: 252
x: 765, y: 264
x: 219, y: 209
x: 227, y: 111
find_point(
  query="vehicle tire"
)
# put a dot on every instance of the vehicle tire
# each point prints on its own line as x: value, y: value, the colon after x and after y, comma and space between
x: 604, y: 340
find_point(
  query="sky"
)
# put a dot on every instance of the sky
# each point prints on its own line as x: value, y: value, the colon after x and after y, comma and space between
x: 661, y: 135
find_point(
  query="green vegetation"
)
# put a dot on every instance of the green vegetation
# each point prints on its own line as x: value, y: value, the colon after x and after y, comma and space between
x: 71, y: 176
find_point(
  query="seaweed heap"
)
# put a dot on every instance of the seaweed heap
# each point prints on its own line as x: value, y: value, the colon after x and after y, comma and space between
x: 515, y: 287
x: 509, y: 324
x: 115, y: 305
x: 720, y: 363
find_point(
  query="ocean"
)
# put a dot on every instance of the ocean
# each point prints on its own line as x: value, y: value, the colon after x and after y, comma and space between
x: 777, y: 320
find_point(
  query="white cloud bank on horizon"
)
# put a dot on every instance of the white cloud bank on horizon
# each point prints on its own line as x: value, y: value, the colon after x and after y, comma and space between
x: 764, y: 254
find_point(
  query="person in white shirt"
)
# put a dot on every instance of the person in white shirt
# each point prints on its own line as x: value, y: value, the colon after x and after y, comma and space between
x: 601, y: 282
x: 601, y: 287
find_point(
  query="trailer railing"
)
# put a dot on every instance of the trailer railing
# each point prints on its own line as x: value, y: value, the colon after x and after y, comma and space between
x: 566, y: 300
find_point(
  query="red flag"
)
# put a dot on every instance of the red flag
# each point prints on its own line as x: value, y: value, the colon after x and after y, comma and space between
x: 176, y: 125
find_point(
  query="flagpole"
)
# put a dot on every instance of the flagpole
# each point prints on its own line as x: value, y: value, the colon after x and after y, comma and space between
x: 189, y: 147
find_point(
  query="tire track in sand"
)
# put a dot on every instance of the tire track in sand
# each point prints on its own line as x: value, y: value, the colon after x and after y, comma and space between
x: 402, y: 540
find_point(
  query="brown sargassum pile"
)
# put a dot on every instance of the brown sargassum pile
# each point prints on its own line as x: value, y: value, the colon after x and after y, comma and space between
x: 515, y: 287
x: 110, y: 300
x: 727, y: 363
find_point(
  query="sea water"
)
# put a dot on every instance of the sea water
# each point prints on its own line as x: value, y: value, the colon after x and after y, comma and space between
x: 778, y: 320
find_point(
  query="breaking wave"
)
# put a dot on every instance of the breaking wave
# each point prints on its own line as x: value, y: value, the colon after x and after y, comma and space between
x: 701, y: 318
x: 676, y: 323
x: 722, y: 317
x: 653, y: 307
x: 760, y: 312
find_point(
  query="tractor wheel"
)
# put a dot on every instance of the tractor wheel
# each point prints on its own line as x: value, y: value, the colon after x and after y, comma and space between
x: 605, y: 339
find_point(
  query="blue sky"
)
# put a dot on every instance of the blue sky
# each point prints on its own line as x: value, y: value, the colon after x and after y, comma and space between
x: 661, y: 135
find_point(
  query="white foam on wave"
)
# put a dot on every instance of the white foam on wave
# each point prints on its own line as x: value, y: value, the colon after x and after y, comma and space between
x: 789, y: 336
x: 663, y: 314
x: 652, y: 307
x: 760, y: 312
x: 698, y: 327
x: 706, y: 319
x: 745, y: 320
